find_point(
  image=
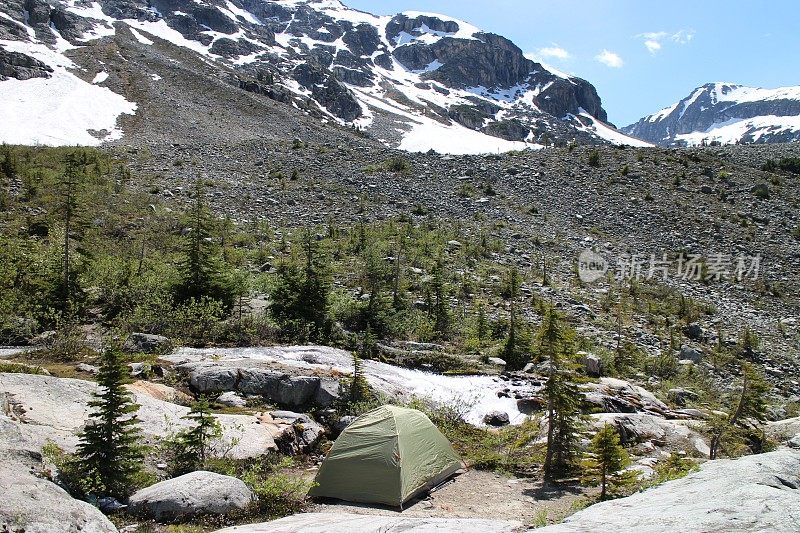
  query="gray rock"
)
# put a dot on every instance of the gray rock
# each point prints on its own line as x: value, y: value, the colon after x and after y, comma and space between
x: 146, y: 343
x: 496, y: 418
x: 496, y: 361
x: 57, y: 408
x: 342, y: 423
x: 328, y: 392
x: 191, y: 495
x: 637, y: 428
x: 214, y: 379
x: 592, y: 364
x: 679, y: 396
x: 694, y: 332
x: 231, y: 399
x: 89, y: 369
x: 794, y: 442
x: 347, y: 523
x: 754, y: 493
x: 690, y: 354
x: 33, y: 504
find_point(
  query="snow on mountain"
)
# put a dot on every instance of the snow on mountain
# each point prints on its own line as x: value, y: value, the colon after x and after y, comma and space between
x: 61, y: 109
x: 417, y: 80
x: 725, y: 113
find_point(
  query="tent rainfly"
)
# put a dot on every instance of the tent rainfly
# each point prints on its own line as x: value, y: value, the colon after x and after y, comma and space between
x: 388, y: 456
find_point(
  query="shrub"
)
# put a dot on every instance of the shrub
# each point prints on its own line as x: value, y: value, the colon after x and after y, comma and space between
x: 278, y: 493
x: 594, y: 158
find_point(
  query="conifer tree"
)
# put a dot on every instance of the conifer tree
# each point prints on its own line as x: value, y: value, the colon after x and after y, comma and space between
x: 109, y: 444
x: 516, y: 350
x: 195, y: 443
x: 750, y: 403
x: 563, y: 397
x: 440, y: 307
x: 201, y: 274
x: 359, y: 389
x: 606, y: 461
x: 300, y: 296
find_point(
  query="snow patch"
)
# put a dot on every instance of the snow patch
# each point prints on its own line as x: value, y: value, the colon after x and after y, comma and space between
x: 141, y: 38
x: 100, y: 77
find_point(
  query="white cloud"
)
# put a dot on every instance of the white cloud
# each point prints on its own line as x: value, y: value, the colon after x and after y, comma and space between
x: 610, y: 59
x: 682, y: 36
x: 554, y: 51
x: 652, y: 46
x: 654, y: 40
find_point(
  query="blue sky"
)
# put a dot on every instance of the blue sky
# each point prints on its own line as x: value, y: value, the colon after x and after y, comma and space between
x: 641, y: 55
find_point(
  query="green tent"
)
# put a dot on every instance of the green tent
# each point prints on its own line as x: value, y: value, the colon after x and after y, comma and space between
x: 388, y: 456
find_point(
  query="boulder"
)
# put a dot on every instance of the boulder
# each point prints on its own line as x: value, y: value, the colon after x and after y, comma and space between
x: 146, y: 343
x: 753, y: 493
x: 690, y: 354
x: 191, y: 495
x: 307, y: 432
x: 591, y: 364
x: 329, y: 391
x: 496, y: 419
x: 213, y: 379
x: 33, y: 504
x: 497, y: 362
x: 231, y: 399
x: 694, y: 332
x: 679, y: 396
x: 278, y: 387
x: 342, y: 423
x: 613, y: 395
x: 347, y: 523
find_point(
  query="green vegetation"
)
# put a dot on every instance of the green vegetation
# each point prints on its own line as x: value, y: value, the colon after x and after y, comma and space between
x: 563, y: 398
x: 194, y: 445
x: 606, y: 461
x: 730, y: 433
x: 109, y: 450
x: 787, y: 164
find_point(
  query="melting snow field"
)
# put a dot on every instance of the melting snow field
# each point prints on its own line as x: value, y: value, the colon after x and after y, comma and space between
x: 59, y: 110
x: 33, y: 115
x: 456, y: 139
x: 477, y: 395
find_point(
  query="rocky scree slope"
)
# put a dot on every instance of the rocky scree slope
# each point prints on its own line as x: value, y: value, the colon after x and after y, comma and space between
x: 725, y: 113
x: 415, y: 80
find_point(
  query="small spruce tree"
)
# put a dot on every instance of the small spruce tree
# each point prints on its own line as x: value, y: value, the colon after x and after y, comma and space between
x: 439, y: 295
x: 606, y: 461
x: 109, y: 448
x: 749, y: 404
x: 562, y: 396
x: 195, y: 444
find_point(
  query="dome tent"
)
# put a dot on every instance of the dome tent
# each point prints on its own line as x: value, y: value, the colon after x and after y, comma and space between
x: 388, y: 456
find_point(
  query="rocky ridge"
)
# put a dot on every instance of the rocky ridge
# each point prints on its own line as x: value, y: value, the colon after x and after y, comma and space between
x: 725, y: 113
x: 408, y: 80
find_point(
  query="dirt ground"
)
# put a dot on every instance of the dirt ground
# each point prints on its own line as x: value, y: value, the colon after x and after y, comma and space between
x: 480, y: 494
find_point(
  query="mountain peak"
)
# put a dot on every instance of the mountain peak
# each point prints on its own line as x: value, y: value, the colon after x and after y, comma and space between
x: 412, y: 79
x: 725, y: 113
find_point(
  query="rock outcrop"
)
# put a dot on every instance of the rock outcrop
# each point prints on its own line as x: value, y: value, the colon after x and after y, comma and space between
x: 50, y: 408
x: 31, y: 503
x: 754, y: 493
x: 347, y: 523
